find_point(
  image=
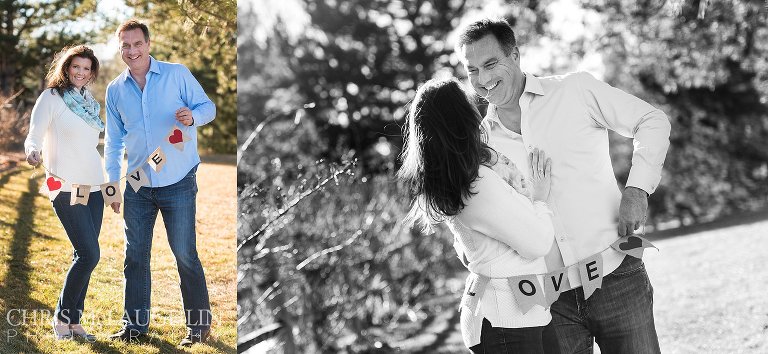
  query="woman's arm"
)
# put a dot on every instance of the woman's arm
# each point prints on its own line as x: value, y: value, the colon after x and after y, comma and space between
x: 500, y: 212
x: 39, y: 122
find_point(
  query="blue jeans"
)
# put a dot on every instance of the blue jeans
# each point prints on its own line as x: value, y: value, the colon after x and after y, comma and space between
x: 528, y: 340
x: 176, y: 202
x: 618, y: 316
x: 82, y: 224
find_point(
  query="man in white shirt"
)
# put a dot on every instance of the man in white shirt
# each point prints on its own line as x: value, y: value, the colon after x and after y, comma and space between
x: 568, y: 117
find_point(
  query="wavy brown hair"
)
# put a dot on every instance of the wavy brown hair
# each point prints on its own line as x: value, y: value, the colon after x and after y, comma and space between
x: 57, y: 78
x: 444, y: 148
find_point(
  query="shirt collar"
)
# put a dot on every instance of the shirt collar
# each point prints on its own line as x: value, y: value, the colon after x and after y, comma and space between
x: 532, y: 85
x: 154, y: 67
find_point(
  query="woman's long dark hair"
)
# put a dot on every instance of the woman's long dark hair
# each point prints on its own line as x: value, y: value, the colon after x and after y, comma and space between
x: 444, y: 148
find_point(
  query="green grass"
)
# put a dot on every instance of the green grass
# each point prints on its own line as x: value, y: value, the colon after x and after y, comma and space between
x: 35, y: 255
x: 709, y: 292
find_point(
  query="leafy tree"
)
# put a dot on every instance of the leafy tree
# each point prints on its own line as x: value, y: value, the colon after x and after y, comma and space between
x: 23, y: 48
x: 705, y: 63
x: 30, y: 34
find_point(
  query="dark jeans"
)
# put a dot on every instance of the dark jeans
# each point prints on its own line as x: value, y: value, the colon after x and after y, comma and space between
x: 533, y: 340
x: 177, y: 205
x: 618, y: 316
x: 82, y: 224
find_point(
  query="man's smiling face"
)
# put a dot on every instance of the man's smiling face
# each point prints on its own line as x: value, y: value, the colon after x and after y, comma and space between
x: 134, y: 49
x: 493, y: 74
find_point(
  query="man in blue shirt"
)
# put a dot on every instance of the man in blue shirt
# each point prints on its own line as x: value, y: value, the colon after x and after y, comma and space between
x: 144, y: 105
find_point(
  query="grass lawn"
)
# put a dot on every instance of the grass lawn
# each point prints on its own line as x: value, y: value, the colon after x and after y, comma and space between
x: 35, y: 255
x: 709, y: 293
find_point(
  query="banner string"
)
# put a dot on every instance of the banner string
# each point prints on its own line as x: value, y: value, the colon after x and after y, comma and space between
x: 146, y: 160
x: 34, y: 173
x: 642, y: 235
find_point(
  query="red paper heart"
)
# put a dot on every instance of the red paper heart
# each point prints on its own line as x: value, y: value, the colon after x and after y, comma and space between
x: 53, y: 184
x: 175, y: 137
x: 632, y: 242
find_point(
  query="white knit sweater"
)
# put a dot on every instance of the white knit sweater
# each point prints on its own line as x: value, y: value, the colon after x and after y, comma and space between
x: 500, y: 234
x: 68, y: 143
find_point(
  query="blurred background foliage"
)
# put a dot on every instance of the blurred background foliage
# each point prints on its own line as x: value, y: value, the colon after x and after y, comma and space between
x: 325, y: 263
x: 200, y: 34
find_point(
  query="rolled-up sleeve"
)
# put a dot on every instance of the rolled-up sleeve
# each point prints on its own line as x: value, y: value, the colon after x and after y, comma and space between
x: 631, y: 117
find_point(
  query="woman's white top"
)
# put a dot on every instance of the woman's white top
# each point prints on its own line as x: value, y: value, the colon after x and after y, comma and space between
x: 500, y: 233
x: 67, y: 142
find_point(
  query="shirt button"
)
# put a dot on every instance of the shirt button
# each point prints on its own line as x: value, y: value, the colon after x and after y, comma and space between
x: 563, y: 238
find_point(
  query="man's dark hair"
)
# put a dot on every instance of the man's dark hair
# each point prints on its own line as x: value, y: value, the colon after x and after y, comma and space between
x: 133, y: 24
x: 499, y: 28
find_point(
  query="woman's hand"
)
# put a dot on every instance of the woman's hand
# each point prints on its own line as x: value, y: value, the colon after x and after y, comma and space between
x: 116, y: 207
x: 514, y: 177
x: 34, y: 158
x: 541, y: 172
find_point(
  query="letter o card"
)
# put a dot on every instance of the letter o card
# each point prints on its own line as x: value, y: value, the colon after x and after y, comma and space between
x: 527, y: 291
x: 111, y: 193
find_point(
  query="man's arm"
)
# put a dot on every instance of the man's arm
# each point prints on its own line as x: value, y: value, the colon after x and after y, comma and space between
x: 632, y: 117
x: 113, y: 138
x: 202, y: 108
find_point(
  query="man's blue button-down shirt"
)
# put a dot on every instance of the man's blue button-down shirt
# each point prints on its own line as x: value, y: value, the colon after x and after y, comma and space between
x: 140, y: 121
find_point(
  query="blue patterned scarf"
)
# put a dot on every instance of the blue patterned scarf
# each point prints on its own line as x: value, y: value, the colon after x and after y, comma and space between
x: 85, y: 106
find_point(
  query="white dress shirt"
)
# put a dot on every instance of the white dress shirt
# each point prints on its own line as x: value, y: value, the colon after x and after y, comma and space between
x: 568, y: 117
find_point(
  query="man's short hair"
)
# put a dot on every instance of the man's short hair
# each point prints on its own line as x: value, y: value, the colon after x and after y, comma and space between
x: 133, y: 24
x: 499, y: 28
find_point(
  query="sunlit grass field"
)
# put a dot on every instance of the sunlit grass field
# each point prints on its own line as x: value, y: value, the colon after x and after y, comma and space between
x: 35, y: 255
x: 709, y: 291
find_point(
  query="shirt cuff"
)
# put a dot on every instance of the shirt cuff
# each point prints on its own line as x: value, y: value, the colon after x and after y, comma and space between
x: 644, y: 179
x: 30, y: 148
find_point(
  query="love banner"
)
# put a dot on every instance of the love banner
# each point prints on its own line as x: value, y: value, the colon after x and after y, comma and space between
x: 528, y: 291
x: 111, y: 190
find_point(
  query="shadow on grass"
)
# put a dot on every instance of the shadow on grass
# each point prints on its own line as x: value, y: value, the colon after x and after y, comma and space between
x: 38, y: 235
x: 164, y: 346
x: 221, y: 346
x: 16, y: 288
x: 107, y: 346
x: 7, y: 176
x: 727, y: 221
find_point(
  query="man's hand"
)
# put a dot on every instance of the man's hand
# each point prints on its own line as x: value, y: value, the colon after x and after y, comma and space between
x: 184, y: 116
x: 634, y: 203
x: 116, y: 207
